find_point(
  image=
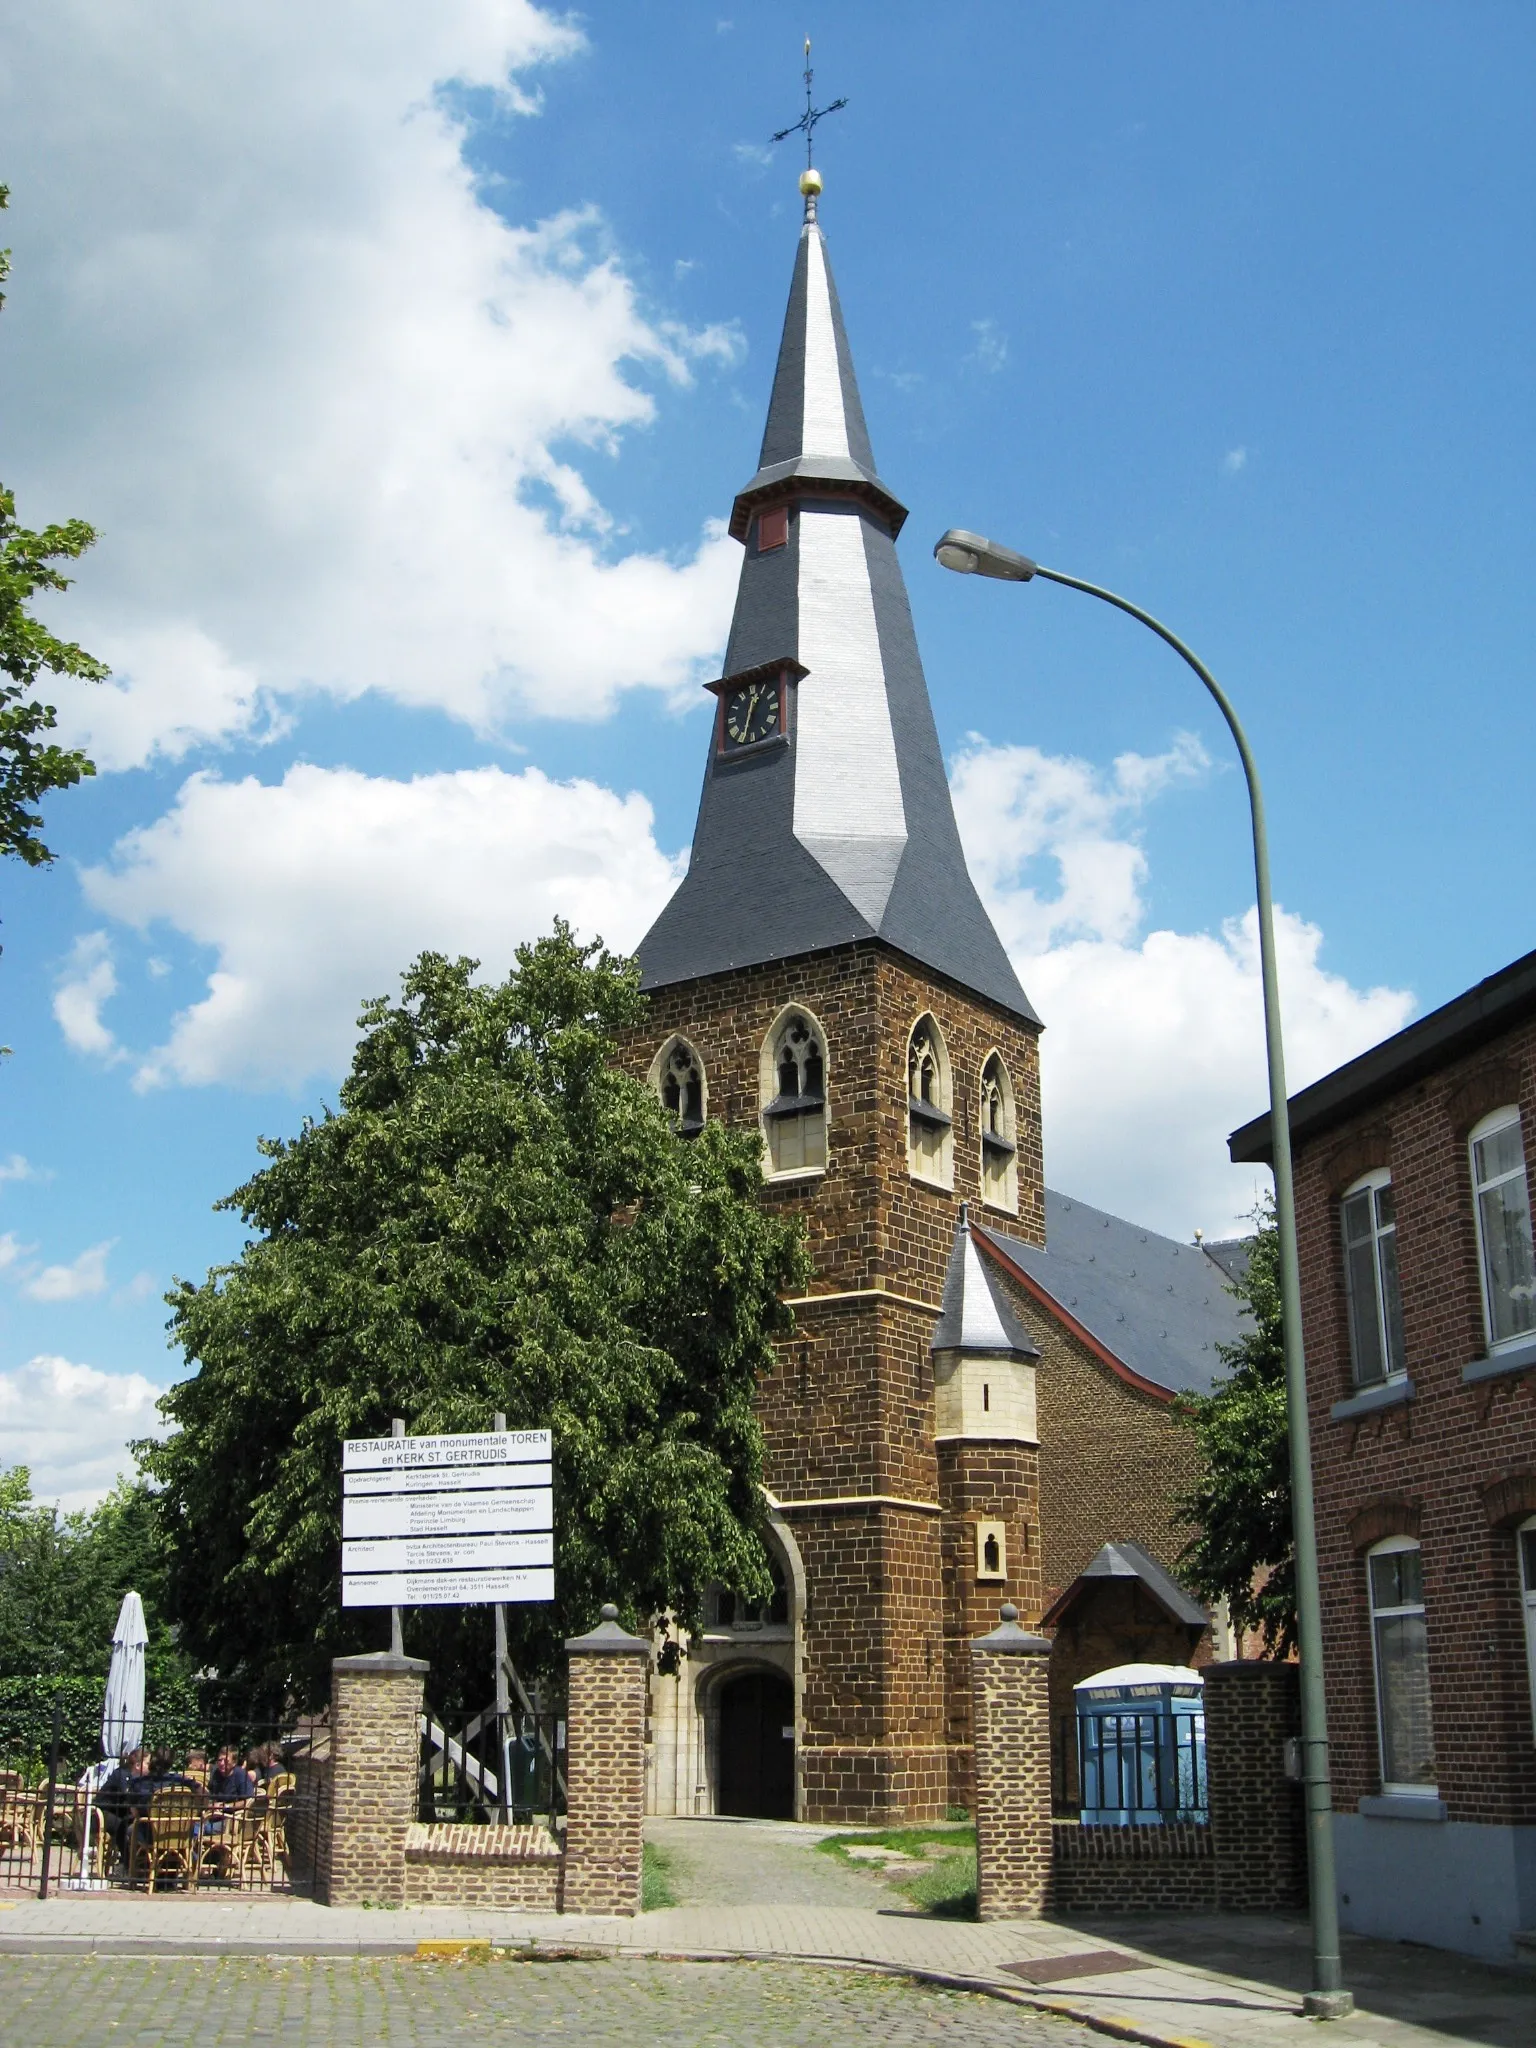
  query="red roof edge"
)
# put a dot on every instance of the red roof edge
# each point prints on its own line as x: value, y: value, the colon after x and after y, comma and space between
x: 1048, y: 1301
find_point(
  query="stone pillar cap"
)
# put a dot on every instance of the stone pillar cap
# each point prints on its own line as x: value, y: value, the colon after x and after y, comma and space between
x: 380, y: 1664
x: 1009, y: 1636
x: 608, y: 1639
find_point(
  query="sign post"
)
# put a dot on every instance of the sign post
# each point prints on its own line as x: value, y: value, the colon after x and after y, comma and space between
x: 503, y: 1701
x: 396, y: 1622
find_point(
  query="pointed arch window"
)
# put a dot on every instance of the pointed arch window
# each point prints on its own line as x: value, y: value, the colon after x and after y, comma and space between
x: 794, y: 1092
x: 999, y: 1137
x: 677, y: 1075
x: 930, y: 1125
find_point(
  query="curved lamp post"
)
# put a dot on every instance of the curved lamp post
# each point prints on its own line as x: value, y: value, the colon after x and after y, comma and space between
x: 970, y: 555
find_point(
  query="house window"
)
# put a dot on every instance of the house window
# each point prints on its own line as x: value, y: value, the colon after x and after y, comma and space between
x: 677, y: 1075
x: 999, y: 1149
x: 1503, y: 1206
x: 1400, y: 1647
x: 930, y: 1128
x: 1525, y: 1536
x: 1370, y: 1274
x: 794, y: 1085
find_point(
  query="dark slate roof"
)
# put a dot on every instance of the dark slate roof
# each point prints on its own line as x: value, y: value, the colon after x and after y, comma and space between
x: 975, y: 1313
x: 1460, y: 1026
x: 1160, y: 1308
x: 843, y: 829
x: 1128, y: 1561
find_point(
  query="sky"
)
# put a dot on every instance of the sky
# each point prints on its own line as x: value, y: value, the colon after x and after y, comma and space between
x: 407, y: 360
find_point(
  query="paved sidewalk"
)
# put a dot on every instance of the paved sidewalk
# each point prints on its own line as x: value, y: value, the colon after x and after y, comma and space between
x: 1173, y: 2004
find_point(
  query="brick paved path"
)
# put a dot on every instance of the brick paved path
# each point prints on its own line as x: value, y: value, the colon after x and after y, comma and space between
x: 85, y: 2002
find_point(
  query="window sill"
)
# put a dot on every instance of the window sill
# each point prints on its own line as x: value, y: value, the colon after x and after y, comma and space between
x: 1390, y: 1394
x: 1500, y: 1365
x: 1403, y: 1806
x: 780, y: 1180
x: 925, y: 1180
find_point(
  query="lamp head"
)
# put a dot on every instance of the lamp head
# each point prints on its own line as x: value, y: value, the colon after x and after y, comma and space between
x: 969, y: 554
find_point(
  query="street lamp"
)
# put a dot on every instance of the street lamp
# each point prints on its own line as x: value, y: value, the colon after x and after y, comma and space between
x: 968, y: 554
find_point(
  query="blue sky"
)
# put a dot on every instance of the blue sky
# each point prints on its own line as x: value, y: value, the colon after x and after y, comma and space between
x: 404, y: 358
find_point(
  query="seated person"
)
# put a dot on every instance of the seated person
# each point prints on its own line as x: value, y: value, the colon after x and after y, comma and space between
x: 229, y: 1780
x: 162, y: 1776
x: 197, y: 1767
x: 115, y: 1802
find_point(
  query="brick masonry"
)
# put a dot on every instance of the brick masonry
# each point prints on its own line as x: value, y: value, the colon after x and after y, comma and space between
x: 605, y: 1770
x: 1258, y: 1827
x: 1455, y: 1465
x: 514, y: 1869
x: 1133, y: 1869
x: 1014, y: 1850
x: 884, y: 1517
x: 375, y: 1754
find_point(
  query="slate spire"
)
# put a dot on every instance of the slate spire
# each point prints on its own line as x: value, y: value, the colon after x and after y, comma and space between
x: 825, y: 815
x: 975, y: 1314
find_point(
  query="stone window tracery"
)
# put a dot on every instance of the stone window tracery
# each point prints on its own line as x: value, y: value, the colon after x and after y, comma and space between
x: 930, y: 1126
x: 677, y: 1075
x: 794, y: 1084
x: 999, y: 1141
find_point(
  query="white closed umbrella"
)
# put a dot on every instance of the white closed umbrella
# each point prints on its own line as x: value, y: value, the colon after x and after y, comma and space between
x: 122, y: 1714
x: 122, y: 1718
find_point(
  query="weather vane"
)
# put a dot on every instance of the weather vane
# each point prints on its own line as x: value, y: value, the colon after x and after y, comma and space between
x: 806, y: 124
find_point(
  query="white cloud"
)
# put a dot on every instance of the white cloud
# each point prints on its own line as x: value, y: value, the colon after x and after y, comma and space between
x: 17, y: 1168
x: 1154, y: 1046
x: 991, y: 350
x: 12, y: 1250
x: 332, y: 413
x: 89, y: 981
x: 315, y: 892
x: 1234, y: 460
x: 71, y: 1425
x: 85, y: 1274
x: 758, y: 154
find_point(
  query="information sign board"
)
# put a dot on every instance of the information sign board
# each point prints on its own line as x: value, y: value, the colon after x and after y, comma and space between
x: 437, y: 1521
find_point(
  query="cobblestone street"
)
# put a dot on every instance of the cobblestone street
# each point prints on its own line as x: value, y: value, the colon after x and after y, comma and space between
x: 68, y: 2002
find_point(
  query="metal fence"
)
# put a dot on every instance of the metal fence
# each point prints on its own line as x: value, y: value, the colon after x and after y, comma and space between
x: 490, y: 1768
x: 172, y: 1824
x: 1140, y: 1767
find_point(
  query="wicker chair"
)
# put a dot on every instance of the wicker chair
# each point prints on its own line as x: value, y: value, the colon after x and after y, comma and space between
x: 164, y: 1841
x: 248, y: 1845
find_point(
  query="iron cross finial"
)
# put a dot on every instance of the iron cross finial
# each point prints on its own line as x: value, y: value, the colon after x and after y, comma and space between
x: 806, y: 124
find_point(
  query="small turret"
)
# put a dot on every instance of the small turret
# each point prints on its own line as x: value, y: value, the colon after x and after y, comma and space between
x: 983, y: 1359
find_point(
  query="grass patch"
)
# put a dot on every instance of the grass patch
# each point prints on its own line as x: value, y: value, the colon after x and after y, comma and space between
x: 945, y: 1886
x: 658, y: 1874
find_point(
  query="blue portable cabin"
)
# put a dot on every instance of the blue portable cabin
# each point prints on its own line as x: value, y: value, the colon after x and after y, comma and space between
x: 1141, y: 1745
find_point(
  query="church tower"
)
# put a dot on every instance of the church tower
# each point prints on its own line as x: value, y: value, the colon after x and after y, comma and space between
x: 826, y: 972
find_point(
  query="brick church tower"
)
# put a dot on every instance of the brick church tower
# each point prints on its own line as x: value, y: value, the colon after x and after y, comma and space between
x: 826, y: 972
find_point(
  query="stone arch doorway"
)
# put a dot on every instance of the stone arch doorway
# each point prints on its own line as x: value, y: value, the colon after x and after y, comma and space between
x: 756, y: 1777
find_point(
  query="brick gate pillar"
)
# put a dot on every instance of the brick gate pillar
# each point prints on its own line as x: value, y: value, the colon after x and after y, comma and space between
x: 605, y: 1769
x: 1010, y: 1715
x: 1258, y: 1838
x: 375, y: 1777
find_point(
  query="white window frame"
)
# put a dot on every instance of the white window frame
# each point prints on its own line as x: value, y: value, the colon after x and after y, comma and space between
x: 1395, y: 1367
x: 808, y: 1125
x: 1394, y: 1546
x: 931, y: 1145
x: 1527, y: 1581
x: 999, y: 1169
x: 1497, y: 1120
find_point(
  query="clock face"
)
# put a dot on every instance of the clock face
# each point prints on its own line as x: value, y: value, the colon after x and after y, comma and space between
x: 752, y: 714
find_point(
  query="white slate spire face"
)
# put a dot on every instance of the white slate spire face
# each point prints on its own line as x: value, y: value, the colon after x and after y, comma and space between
x: 830, y: 820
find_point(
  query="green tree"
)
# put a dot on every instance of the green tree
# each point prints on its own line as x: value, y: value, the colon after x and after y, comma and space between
x: 30, y: 763
x: 496, y: 1218
x: 1240, y: 1506
x: 63, y: 1577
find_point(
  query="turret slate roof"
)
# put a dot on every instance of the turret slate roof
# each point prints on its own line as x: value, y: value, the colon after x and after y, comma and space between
x: 841, y: 827
x: 975, y: 1313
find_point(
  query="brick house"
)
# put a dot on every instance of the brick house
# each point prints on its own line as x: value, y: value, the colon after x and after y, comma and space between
x: 826, y: 975
x: 1419, y: 1313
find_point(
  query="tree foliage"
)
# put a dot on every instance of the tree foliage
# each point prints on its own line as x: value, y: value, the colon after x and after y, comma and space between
x: 495, y: 1219
x: 63, y: 1577
x: 30, y: 763
x: 1240, y: 1507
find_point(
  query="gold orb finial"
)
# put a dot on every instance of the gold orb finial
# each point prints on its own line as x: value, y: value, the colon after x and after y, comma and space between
x: 810, y: 183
